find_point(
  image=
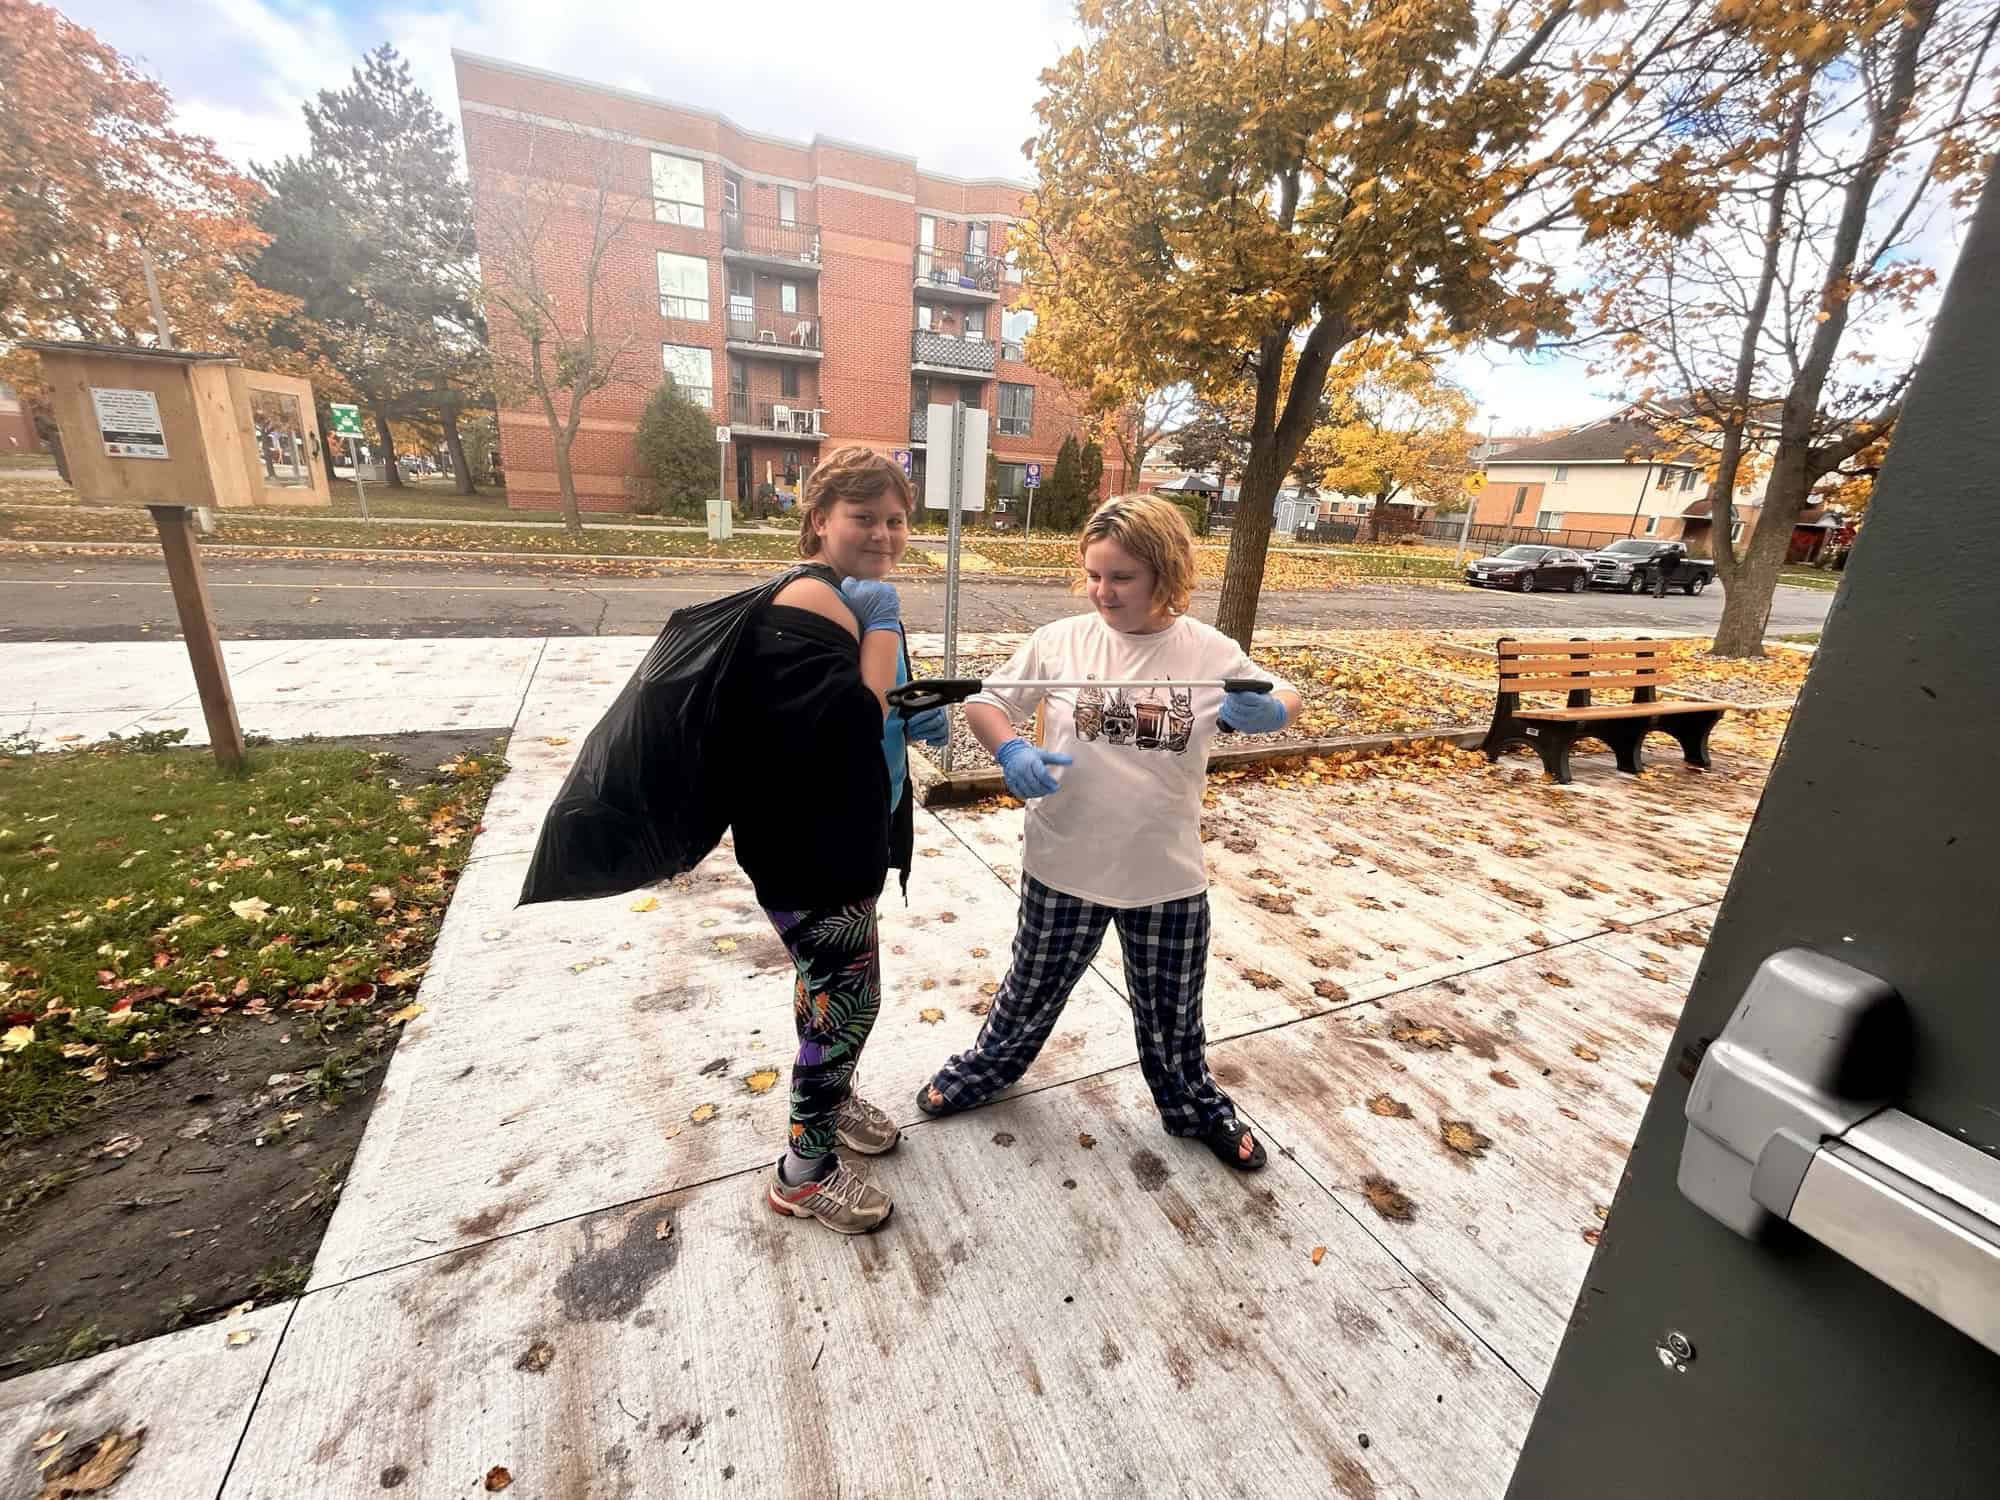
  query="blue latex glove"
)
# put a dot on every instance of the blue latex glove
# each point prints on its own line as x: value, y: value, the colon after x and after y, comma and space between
x: 930, y: 727
x: 1026, y: 768
x: 1253, y: 713
x: 874, y: 603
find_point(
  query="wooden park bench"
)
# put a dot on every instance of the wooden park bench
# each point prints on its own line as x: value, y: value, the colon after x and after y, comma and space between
x: 1579, y: 669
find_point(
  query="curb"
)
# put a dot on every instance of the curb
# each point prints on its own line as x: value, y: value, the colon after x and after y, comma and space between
x: 937, y: 788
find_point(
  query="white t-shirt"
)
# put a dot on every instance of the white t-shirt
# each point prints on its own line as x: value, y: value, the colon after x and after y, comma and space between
x: 1125, y: 830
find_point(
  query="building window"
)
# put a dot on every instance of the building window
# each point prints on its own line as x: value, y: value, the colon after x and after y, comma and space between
x: 1013, y: 267
x: 1520, y: 498
x: 683, y: 286
x: 1548, y: 520
x: 788, y: 296
x: 1736, y: 532
x: 1015, y: 326
x: 1562, y: 473
x: 975, y: 239
x: 1017, y: 409
x: 788, y: 381
x: 975, y: 323
x: 788, y: 205
x: 677, y: 192
x: 926, y: 316
x: 732, y: 192
x: 693, y: 369
x: 1012, y: 480
x: 1652, y: 525
x: 1687, y: 479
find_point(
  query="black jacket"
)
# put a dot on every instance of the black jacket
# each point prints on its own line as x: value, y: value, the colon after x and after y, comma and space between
x: 809, y: 792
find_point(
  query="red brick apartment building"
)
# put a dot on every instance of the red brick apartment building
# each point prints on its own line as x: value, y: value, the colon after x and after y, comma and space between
x: 813, y: 294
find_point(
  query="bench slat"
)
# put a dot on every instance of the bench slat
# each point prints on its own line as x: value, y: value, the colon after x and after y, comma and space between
x: 1540, y: 667
x: 1567, y: 648
x: 1562, y: 684
x: 1622, y: 711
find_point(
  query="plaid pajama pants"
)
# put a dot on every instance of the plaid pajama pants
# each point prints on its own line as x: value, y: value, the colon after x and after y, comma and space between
x: 1166, y: 961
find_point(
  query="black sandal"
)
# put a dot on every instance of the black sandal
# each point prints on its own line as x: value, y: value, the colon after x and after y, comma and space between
x: 938, y: 1111
x: 1225, y: 1139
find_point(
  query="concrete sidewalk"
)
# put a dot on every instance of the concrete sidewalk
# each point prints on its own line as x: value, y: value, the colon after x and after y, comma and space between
x: 1442, y: 1002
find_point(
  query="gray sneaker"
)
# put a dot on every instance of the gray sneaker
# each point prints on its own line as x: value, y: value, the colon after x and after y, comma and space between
x: 861, y: 1127
x: 841, y: 1200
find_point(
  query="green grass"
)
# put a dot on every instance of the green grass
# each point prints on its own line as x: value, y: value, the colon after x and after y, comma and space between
x: 1809, y: 578
x: 49, y: 523
x: 145, y: 893
x: 1802, y: 638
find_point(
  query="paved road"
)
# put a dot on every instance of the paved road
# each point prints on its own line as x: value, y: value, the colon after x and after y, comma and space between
x: 125, y: 598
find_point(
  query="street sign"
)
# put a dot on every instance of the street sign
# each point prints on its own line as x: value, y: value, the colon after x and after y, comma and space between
x: 946, y: 461
x: 902, y: 457
x: 1033, y: 480
x: 722, y: 434
x: 346, y: 419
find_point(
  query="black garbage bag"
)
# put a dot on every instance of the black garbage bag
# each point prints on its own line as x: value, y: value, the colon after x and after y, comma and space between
x: 644, y: 801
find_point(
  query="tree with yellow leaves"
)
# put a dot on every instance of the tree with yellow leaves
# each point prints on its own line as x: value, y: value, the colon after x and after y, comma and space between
x: 1235, y: 190
x: 1777, y: 343
x: 92, y: 174
x: 1396, y: 428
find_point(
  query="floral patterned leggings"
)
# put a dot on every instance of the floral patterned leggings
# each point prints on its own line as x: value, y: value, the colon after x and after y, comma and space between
x: 835, y: 996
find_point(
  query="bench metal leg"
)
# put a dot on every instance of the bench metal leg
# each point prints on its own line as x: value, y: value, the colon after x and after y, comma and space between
x: 1692, y: 731
x: 1625, y: 737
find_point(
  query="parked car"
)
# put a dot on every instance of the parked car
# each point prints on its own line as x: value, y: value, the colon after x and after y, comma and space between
x: 1529, y: 568
x: 1635, y: 564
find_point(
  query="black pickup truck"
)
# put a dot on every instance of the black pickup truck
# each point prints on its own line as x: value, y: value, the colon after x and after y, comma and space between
x: 1634, y: 566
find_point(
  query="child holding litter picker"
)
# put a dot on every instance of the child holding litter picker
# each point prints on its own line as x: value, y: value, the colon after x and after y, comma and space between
x: 1114, y: 817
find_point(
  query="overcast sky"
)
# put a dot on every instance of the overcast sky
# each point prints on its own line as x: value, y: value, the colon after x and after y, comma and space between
x: 952, y: 85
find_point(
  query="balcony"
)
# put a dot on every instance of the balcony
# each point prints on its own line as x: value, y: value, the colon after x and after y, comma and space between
x: 920, y: 424
x: 753, y: 239
x: 941, y: 354
x: 959, y: 277
x: 759, y: 330
x: 748, y: 418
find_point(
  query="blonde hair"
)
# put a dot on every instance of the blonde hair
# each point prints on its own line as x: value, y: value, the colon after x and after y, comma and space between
x: 1156, y: 533
x: 850, y: 473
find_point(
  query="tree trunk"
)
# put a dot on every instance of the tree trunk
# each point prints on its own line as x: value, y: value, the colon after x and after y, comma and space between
x: 1747, y: 597
x: 394, y: 474
x: 566, y: 483
x: 1249, y: 544
x: 461, y: 471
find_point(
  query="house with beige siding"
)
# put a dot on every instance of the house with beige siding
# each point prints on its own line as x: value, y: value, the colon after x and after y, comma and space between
x: 1618, y: 477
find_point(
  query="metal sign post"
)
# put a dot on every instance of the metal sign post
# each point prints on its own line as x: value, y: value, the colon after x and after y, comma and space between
x: 720, y: 527
x: 1031, y: 483
x: 955, y: 482
x: 347, y: 427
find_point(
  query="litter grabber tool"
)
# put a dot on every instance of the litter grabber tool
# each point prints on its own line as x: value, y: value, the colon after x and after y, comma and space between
x: 935, y: 692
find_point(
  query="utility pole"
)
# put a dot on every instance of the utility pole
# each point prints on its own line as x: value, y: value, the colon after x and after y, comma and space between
x: 1472, y: 501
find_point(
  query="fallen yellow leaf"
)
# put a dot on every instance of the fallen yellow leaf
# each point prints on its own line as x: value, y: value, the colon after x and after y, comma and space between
x: 646, y: 903
x: 760, y: 1082
x: 555, y: 739
x: 1319, y: 1254
x: 701, y: 1114
x: 725, y: 945
x: 240, y: 1337
x: 17, y: 1038
x: 930, y: 1015
x: 252, y: 909
x: 408, y: 1013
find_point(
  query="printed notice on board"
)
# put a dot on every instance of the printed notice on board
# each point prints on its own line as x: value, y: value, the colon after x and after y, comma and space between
x: 129, y: 422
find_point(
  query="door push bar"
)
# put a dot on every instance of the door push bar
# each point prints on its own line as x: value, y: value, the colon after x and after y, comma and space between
x: 1790, y: 1120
